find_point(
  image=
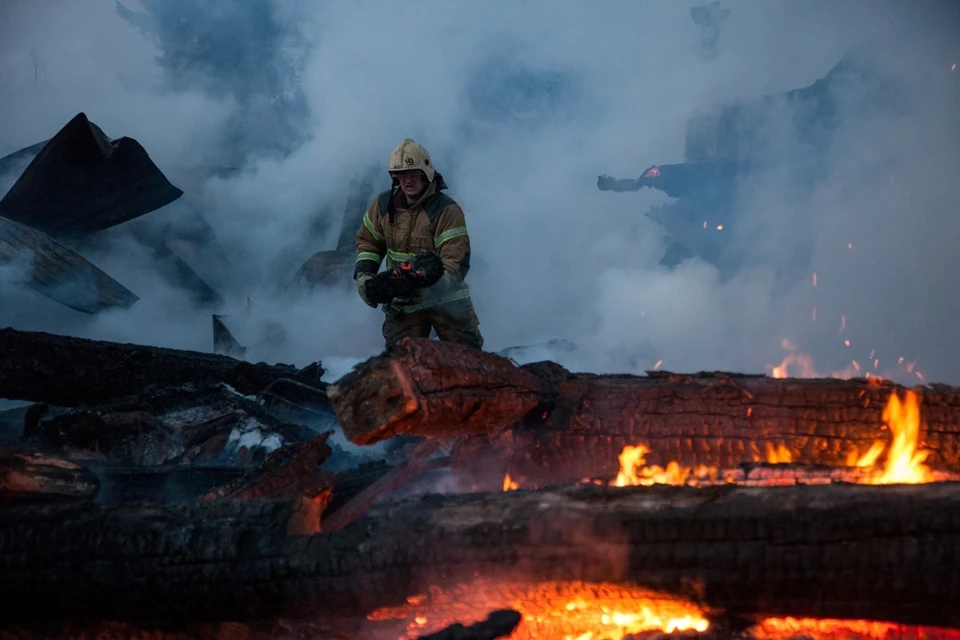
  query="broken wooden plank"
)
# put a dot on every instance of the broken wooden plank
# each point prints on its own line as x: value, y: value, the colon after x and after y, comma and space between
x: 56, y: 271
x: 31, y: 476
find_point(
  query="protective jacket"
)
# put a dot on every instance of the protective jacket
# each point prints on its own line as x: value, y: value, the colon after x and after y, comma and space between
x: 396, y: 232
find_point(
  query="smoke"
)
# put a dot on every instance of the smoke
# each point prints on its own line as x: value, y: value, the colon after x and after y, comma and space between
x: 521, y: 106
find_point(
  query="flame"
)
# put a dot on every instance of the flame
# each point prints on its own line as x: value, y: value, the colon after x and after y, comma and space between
x: 904, y: 462
x: 633, y: 470
x: 652, y: 172
x: 509, y: 484
x: 779, y: 455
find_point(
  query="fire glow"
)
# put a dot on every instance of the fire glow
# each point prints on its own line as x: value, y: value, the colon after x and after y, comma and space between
x: 555, y: 610
x: 904, y: 462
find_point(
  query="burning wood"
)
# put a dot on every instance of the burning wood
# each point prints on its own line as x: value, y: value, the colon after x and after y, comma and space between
x: 820, y: 551
x: 290, y: 472
x: 544, y: 425
x: 426, y: 387
x: 68, y: 371
x: 32, y: 476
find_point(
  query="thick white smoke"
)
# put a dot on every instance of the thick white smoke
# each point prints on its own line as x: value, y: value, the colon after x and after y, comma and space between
x: 522, y: 105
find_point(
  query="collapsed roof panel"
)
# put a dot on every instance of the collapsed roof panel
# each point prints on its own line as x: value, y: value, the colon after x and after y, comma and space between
x: 81, y: 181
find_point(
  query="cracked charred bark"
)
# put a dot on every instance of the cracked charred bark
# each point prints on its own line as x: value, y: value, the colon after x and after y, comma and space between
x: 543, y: 424
x: 68, y: 371
x: 838, y: 551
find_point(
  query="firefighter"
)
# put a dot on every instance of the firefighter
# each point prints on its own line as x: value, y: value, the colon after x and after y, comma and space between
x: 411, y: 217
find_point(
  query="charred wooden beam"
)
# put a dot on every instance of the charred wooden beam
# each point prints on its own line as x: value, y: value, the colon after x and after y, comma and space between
x: 82, y: 181
x: 57, y: 271
x: 499, y: 624
x: 565, y: 426
x: 837, y: 551
x: 35, y: 477
x: 174, y: 425
x: 68, y: 371
x: 426, y: 388
x: 290, y: 472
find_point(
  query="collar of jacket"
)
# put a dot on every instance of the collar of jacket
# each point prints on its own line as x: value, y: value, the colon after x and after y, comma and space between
x: 398, y: 199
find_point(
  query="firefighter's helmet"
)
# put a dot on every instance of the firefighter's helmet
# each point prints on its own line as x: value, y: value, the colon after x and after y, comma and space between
x: 409, y: 156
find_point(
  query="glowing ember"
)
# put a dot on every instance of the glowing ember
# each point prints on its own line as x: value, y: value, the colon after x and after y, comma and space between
x: 509, y: 484
x: 556, y: 610
x: 773, y: 628
x: 652, y: 172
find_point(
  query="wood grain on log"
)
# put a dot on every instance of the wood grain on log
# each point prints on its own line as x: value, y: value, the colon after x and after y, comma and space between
x: 426, y: 387
x: 68, y: 371
x: 32, y: 476
x: 566, y: 427
x: 289, y: 472
x: 840, y: 551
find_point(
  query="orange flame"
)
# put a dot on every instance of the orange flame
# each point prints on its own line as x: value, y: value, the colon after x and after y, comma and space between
x: 509, y: 484
x: 633, y: 470
x: 904, y: 462
x: 779, y: 455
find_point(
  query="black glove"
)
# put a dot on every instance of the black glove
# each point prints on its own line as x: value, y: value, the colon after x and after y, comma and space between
x: 404, y: 280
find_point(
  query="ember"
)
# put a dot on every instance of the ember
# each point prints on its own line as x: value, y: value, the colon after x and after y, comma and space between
x: 559, y: 610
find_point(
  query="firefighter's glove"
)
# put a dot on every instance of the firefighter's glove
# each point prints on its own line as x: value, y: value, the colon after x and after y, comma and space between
x: 362, y: 289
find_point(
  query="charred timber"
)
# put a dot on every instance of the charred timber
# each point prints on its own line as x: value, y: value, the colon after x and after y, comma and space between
x: 174, y: 425
x: 30, y: 476
x: 68, y: 371
x: 551, y: 425
x: 839, y: 551
x: 289, y: 472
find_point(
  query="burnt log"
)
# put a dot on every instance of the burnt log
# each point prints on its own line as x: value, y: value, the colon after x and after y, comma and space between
x: 82, y: 181
x: 429, y: 388
x: 35, y: 477
x: 838, y: 551
x: 173, y: 425
x: 499, y: 624
x: 68, y: 371
x: 58, y: 272
x: 546, y: 425
x: 290, y: 472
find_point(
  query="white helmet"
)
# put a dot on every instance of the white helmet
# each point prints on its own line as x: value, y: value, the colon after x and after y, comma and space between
x: 409, y: 156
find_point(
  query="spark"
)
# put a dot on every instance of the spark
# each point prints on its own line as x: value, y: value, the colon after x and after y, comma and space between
x: 657, y: 366
x: 814, y: 278
x: 719, y: 227
x: 843, y: 324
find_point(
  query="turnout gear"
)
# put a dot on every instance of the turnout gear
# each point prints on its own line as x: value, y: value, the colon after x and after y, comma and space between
x: 398, y: 231
x: 410, y: 156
